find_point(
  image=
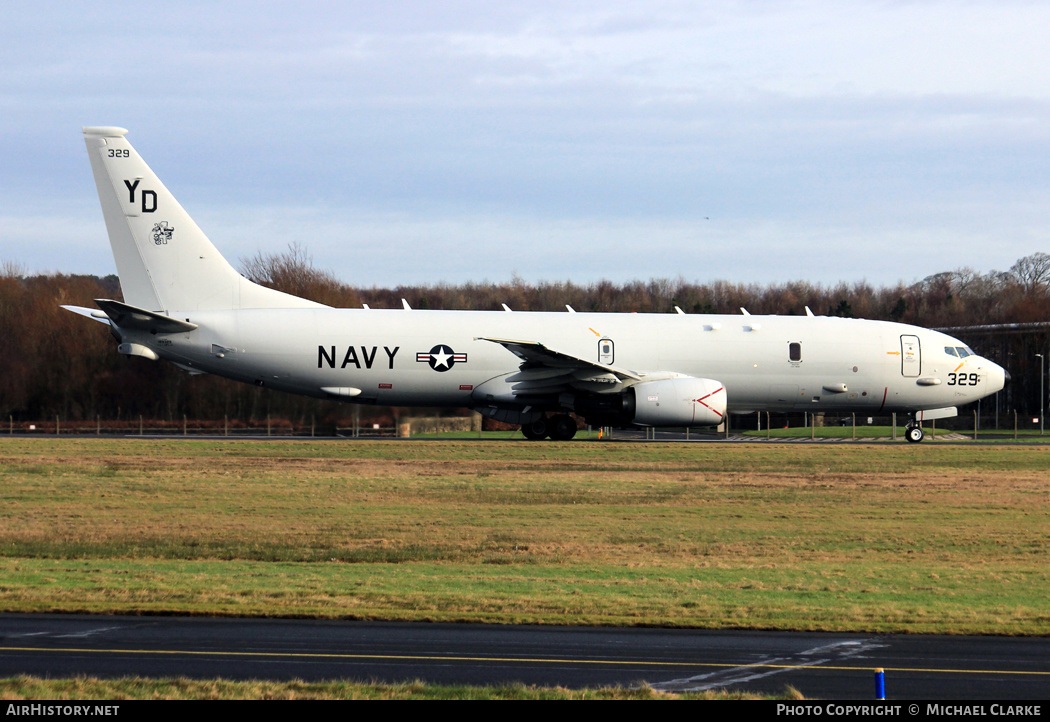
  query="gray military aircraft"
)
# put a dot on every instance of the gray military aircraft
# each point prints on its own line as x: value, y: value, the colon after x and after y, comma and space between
x: 184, y: 303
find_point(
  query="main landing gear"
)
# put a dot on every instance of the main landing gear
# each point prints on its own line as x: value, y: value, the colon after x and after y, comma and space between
x: 560, y: 427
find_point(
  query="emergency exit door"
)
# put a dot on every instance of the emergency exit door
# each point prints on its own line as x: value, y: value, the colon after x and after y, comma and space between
x: 911, y: 361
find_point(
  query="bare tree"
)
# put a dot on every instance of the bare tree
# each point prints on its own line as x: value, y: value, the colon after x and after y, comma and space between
x: 1032, y: 272
x: 12, y: 269
x: 293, y: 272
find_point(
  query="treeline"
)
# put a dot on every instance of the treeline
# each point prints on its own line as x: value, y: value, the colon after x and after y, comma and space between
x: 56, y: 363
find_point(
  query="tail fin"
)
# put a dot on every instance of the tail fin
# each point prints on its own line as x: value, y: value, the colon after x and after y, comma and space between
x: 164, y: 260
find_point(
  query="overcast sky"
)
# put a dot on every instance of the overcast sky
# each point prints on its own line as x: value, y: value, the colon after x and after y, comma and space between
x: 421, y: 142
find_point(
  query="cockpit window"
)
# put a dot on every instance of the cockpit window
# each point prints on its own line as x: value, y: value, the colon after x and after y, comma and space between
x: 950, y: 351
x: 963, y: 351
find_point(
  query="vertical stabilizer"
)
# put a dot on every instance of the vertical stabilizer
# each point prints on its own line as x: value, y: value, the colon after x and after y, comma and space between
x: 164, y: 260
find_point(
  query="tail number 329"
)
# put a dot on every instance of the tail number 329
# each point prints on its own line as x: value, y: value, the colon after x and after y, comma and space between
x: 963, y: 379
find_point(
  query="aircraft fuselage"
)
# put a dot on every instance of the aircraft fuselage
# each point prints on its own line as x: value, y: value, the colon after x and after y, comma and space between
x: 768, y: 363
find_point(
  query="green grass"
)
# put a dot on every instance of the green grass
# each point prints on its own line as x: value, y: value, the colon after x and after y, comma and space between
x: 510, y: 435
x: 886, y: 432
x: 874, y: 537
x: 837, y: 432
x: 137, y: 688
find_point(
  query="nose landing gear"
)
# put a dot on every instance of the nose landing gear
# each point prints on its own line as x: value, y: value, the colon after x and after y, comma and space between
x: 913, y: 432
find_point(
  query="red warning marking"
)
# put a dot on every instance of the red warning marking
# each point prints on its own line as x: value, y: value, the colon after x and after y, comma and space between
x: 701, y: 400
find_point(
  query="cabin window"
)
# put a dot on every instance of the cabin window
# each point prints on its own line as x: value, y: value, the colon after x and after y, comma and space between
x: 795, y: 351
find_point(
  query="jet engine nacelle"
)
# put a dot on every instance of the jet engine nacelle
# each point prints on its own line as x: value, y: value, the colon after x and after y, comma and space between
x: 682, y: 401
x: 678, y: 401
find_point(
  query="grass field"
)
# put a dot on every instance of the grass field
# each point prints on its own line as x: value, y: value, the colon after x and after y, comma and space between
x: 80, y: 688
x: 861, y: 433
x: 886, y: 432
x: 918, y: 538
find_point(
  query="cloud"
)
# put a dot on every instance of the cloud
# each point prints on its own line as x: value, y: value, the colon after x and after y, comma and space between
x: 829, y: 140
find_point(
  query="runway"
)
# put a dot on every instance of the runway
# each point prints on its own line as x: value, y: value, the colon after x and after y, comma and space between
x: 820, y: 665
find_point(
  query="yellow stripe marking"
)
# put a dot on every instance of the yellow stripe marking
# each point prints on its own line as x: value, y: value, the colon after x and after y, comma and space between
x: 531, y: 660
x: 319, y: 655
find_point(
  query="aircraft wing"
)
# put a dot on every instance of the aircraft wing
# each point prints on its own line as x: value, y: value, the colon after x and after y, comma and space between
x: 535, y: 355
x: 545, y: 371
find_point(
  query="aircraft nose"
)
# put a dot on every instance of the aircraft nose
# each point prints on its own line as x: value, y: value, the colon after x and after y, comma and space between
x: 998, y: 376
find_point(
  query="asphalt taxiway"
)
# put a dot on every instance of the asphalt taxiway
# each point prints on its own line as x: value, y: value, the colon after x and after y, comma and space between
x: 820, y: 665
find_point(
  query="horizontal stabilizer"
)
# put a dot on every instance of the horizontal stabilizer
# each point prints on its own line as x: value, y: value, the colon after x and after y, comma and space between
x: 139, y: 319
x: 93, y: 313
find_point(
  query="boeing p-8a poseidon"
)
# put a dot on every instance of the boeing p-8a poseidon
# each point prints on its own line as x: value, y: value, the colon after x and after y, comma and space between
x: 184, y: 303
